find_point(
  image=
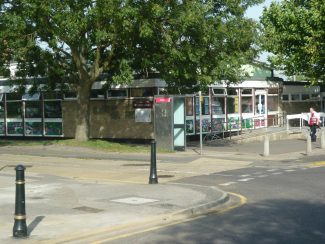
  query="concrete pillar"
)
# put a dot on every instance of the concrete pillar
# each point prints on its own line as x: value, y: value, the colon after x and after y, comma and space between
x: 309, y: 148
x: 266, y: 146
x: 322, y: 139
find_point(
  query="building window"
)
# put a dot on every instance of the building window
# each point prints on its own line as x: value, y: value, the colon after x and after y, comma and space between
x: 285, y: 97
x: 205, y: 106
x: 97, y: 94
x: 295, y: 97
x: 2, y: 110
x: 218, y: 105
x: 247, y: 105
x: 232, y: 105
x: 116, y: 93
x: 273, y: 91
x: 217, y: 91
x: 143, y: 92
x: 31, y: 97
x: 305, y: 97
x: 52, y: 109
x: 315, y: 96
x: 52, y: 95
x: 272, y: 103
x: 70, y: 95
x: 189, y: 106
x: 33, y: 109
x: 232, y: 92
x: 246, y: 91
x: 14, y: 110
x: 13, y: 96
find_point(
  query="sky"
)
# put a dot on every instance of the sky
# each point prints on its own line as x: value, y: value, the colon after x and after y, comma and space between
x: 256, y: 11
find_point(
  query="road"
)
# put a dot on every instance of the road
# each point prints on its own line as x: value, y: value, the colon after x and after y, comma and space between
x: 285, y: 204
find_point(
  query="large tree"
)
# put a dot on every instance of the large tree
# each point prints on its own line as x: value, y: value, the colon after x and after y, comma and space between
x: 188, y: 42
x: 294, y: 31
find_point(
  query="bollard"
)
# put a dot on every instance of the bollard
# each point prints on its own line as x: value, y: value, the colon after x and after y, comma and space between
x: 322, y: 139
x: 20, y: 227
x: 266, y: 146
x: 309, y: 148
x: 153, y: 178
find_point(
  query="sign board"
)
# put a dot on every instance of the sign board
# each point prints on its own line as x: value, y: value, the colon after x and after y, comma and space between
x: 143, y: 115
x: 142, y: 104
x: 163, y: 100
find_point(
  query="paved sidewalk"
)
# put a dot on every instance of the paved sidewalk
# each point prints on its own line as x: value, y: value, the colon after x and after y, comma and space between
x: 59, y: 209
x: 68, y: 198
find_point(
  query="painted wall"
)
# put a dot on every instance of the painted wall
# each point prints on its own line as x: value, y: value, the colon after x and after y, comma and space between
x: 109, y: 119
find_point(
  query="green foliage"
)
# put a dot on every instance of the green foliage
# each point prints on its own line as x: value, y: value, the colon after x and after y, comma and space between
x: 76, y: 41
x: 294, y: 31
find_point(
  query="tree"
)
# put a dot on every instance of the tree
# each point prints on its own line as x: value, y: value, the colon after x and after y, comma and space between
x: 294, y: 31
x: 75, y: 42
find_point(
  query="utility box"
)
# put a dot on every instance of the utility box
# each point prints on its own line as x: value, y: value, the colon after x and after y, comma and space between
x: 170, y: 122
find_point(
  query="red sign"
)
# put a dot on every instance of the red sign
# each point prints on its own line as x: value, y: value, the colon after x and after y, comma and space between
x: 163, y: 100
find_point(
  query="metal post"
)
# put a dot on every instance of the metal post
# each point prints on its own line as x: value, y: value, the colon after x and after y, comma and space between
x: 200, y: 114
x: 153, y: 178
x: 322, y: 139
x: 266, y: 146
x: 20, y: 227
x: 309, y: 148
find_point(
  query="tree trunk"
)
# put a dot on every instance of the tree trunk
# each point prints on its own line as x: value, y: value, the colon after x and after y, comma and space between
x: 82, y: 119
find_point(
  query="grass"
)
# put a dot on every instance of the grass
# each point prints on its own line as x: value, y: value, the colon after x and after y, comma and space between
x: 100, y: 145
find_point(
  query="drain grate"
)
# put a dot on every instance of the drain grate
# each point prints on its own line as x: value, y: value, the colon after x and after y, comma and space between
x: 166, y: 176
x: 88, y: 209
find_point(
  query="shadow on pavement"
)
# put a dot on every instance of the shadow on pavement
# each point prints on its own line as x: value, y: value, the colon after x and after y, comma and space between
x: 34, y: 224
x: 274, y: 221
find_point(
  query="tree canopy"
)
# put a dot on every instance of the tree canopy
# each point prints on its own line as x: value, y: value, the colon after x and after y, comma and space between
x: 186, y: 41
x: 294, y: 31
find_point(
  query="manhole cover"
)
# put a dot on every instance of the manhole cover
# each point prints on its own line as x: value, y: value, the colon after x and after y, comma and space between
x: 88, y: 209
x: 165, y: 176
x: 134, y: 200
x: 136, y: 165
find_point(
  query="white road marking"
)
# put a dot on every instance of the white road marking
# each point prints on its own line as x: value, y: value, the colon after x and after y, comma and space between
x: 245, y: 175
x: 246, y: 179
x: 304, y: 168
x: 258, y: 173
x: 271, y: 170
x: 277, y: 173
x: 290, y: 170
x: 227, y: 183
x: 262, y: 176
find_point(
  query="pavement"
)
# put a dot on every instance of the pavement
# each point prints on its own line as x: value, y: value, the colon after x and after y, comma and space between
x: 74, y: 195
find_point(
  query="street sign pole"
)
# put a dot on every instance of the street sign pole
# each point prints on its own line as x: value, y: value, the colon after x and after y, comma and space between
x: 200, y: 114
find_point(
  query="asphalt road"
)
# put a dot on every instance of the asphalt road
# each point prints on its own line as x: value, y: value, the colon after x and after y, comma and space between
x: 285, y: 204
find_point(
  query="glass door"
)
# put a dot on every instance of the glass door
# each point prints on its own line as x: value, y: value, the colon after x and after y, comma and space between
x: 260, y: 108
x: 179, y: 123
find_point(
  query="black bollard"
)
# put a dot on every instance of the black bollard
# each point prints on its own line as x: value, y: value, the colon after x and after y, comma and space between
x: 153, y: 178
x: 20, y: 227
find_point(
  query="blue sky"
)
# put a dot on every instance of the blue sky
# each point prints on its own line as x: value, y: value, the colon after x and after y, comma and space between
x: 256, y: 11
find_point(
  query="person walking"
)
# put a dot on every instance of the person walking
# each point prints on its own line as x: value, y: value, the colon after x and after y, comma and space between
x: 313, y: 123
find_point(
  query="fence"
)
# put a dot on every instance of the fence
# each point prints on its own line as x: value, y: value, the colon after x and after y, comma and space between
x: 301, y: 120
